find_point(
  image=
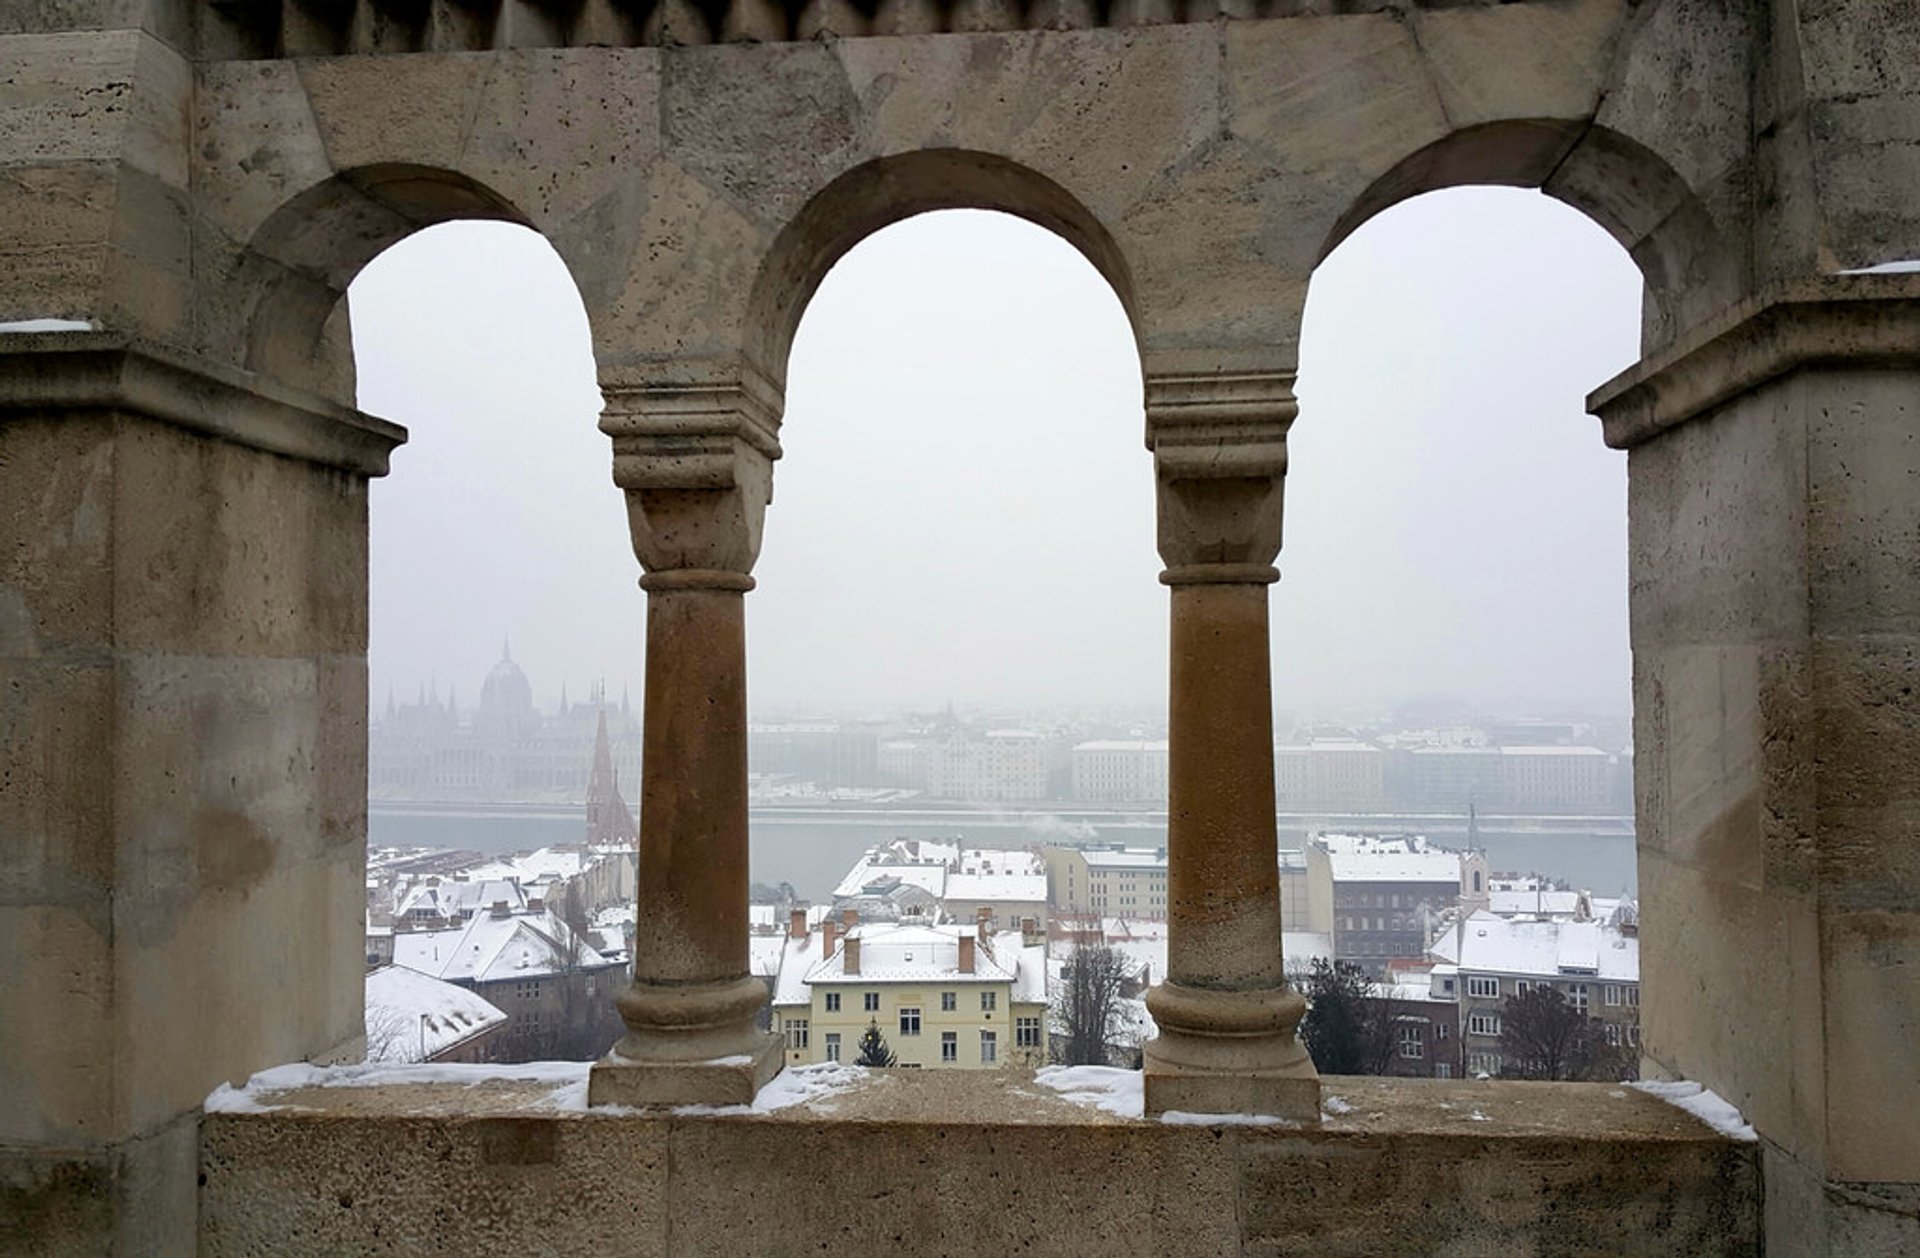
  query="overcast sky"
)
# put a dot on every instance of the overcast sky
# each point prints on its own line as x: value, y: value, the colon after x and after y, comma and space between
x: 965, y: 509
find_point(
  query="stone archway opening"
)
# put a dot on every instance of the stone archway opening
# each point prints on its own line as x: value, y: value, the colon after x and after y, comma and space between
x: 962, y: 515
x: 1456, y: 565
x: 499, y: 572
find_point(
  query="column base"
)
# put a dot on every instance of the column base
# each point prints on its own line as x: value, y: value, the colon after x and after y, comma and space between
x: 1228, y: 1052
x: 731, y: 1080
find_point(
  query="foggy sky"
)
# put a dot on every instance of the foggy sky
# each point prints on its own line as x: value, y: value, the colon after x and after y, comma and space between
x: 965, y: 509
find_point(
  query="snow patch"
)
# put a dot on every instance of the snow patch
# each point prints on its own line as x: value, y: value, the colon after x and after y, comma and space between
x: 1335, y: 1105
x: 1121, y: 1092
x: 796, y: 1085
x: 569, y: 1078
x: 46, y: 325
x: 1905, y: 267
x: 1477, y: 1117
x: 1180, y: 1118
x: 1702, y: 1104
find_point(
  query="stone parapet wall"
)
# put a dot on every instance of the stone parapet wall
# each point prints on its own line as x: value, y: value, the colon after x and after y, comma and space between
x: 927, y: 1164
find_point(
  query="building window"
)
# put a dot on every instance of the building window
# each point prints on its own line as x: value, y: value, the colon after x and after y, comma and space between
x: 1521, y: 987
x: 833, y: 1002
x: 1612, y: 994
x: 1443, y: 1069
x: 1483, y: 988
x: 1633, y: 1034
x: 948, y: 1002
x: 1633, y: 997
x: 909, y: 1021
x: 870, y: 1003
x: 989, y: 1048
x: 1413, y: 1044
x: 949, y: 1046
x: 1483, y: 1024
x: 1484, y: 1063
x: 1577, y: 996
x: 1026, y: 1032
x: 796, y: 1033
x: 833, y: 1046
x: 1441, y: 1030
x: 528, y: 989
x: 988, y: 1000
x: 1613, y: 1033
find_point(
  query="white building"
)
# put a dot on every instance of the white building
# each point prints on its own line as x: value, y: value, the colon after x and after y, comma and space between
x: 1120, y: 771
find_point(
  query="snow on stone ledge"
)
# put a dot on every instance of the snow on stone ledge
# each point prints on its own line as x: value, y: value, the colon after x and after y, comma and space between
x: 797, y: 1085
x: 568, y: 1077
x: 45, y: 325
x: 1116, y: 1091
x: 1702, y: 1104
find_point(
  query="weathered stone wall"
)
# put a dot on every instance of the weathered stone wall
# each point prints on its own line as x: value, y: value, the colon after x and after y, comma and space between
x: 921, y: 1163
x: 182, y: 535
x: 182, y: 748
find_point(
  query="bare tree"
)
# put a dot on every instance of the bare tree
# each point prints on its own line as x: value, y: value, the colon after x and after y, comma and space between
x: 1348, y: 1030
x: 393, y: 1036
x: 1542, y: 1036
x: 1086, y: 1010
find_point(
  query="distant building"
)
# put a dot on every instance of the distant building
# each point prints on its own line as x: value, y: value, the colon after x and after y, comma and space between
x: 1384, y: 895
x: 1424, y: 1002
x: 958, y: 763
x: 1594, y: 964
x: 504, y: 750
x: 1537, y: 779
x: 946, y: 997
x: 1120, y: 771
x: 1330, y: 775
x: 827, y: 752
x: 554, y: 987
x: 919, y: 878
x: 1108, y: 881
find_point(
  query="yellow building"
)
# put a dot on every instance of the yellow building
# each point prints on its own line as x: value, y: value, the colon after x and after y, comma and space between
x: 945, y: 996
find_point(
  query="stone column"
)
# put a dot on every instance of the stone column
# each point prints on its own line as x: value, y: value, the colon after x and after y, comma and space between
x: 183, y: 785
x: 1227, y: 1019
x: 695, y: 457
x: 1774, y: 511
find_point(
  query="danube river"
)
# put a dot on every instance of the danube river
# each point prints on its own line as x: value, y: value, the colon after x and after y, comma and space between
x: 813, y: 846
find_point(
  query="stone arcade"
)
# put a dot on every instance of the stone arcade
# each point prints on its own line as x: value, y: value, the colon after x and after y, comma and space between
x: 189, y: 188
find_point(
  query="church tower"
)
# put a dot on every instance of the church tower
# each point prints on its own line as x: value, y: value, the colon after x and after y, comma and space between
x: 609, y: 820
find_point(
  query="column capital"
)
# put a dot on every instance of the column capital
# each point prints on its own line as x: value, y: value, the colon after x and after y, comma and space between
x: 1219, y: 442
x: 693, y: 447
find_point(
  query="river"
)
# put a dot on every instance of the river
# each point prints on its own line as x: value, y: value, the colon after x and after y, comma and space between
x: 812, y: 847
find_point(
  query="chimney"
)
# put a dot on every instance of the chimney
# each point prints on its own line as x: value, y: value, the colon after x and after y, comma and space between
x: 797, y: 924
x: 852, y: 951
x: 984, y: 924
x: 500, y: 909
x: 966, y: 954
x: 829, y: 931
x: 849, y: 918
x: 536, y: 905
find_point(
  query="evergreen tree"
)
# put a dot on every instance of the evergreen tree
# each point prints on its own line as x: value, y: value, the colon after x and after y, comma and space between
x: 1348, y: 1030
x: 873, y: 1047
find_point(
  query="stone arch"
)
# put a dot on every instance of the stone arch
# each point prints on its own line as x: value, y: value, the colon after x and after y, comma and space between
x: 872, y: 196
x: 299, y: 262
x: 1628, y: 189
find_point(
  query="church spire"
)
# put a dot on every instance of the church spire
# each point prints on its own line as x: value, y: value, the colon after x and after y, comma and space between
x: 609, y: 820
x: 506, y: 649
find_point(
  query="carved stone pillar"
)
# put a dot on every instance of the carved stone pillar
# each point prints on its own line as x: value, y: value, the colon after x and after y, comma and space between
x: 1227, y: 1019
x: 696, y: 462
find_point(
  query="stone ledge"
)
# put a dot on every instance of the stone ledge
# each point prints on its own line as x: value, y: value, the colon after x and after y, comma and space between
x: 1858, y: 320
x: 969, y: 1163
x: 56, y: 372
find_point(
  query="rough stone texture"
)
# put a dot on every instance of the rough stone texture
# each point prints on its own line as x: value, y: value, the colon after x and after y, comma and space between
x: 182, y: 653
x: 926, y: 1163
x: 1774, y: 473
x: 182, y: 544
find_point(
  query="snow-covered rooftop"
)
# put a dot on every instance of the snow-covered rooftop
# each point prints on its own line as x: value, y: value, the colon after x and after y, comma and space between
x: 1125, y: 858
x: 1495, y: 945
x: 1365, y: 858
x: 913, y: 953
x: 489, y: 948
x: 1123, y: 744
x: 1007, y: 888
x: 412, y: 1017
